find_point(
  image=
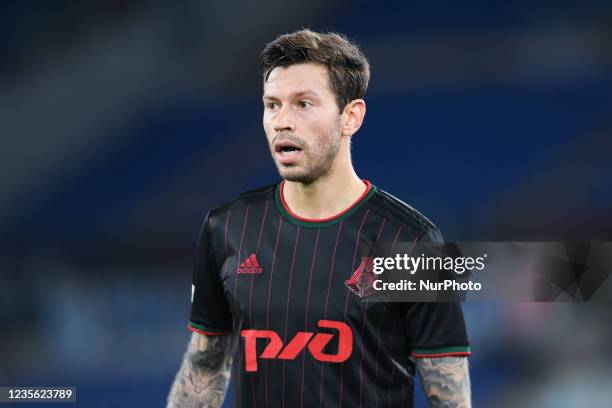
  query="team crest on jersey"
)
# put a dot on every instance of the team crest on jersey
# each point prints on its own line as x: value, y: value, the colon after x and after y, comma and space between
x: 250, y: 266
x: 362, y: 281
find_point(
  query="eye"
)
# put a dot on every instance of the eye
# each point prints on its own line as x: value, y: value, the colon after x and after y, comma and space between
x: 304, y: 104
x: 271, y: 106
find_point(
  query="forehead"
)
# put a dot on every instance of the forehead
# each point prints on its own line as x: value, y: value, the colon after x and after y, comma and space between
x: 298, y: 78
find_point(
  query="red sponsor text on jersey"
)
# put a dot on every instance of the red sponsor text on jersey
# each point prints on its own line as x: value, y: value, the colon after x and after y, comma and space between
x: 315, y: 343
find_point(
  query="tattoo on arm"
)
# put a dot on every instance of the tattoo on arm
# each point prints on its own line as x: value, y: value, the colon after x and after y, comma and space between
x: 446, y: 381
x: 204, y: 374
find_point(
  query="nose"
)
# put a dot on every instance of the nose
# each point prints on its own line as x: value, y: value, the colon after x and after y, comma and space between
x: 284, y: 120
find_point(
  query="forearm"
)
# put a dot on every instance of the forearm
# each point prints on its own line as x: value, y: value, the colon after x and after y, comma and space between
x: 204, y: 374
x: 446, y: 381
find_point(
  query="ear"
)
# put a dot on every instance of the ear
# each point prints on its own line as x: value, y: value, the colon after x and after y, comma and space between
x: 352, y: 116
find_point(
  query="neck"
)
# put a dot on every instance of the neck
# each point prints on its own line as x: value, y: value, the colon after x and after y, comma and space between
x: 327, y: 196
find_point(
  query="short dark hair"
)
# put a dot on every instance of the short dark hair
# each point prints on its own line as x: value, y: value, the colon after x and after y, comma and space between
x: 348, y: 68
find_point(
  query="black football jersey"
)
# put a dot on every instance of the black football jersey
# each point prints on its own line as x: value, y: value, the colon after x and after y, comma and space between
x: 281, y: 284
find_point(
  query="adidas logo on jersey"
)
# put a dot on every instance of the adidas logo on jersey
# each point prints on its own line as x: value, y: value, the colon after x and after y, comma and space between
x: 250, y: 265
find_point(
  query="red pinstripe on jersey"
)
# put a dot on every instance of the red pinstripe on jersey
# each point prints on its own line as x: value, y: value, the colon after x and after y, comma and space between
x: 312, y: 263
x: 347, y: 294
x: 382, y: 225
x: 280, y: 224
x: 297, y: 238
x: 331, y: 273
x: 263, y: 221
x: 379, y: 326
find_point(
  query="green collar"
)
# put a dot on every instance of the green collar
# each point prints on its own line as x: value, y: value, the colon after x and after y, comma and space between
x: 295, y: 219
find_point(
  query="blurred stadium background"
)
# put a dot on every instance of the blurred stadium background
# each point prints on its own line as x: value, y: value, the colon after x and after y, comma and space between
x: 123, y: 122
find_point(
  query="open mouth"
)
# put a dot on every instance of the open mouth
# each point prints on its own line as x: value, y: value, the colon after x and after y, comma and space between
x: 286, y: 148
x: 287, y: 153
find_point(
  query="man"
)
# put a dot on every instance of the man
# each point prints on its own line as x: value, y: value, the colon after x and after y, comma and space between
x: 271, y: 283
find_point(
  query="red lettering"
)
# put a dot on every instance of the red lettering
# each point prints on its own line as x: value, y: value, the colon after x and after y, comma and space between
x: 345, y: 342
x: 250, y: 346
x: 298, y: 343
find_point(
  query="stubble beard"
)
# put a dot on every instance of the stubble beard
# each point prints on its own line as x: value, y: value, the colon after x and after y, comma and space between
x: 317, y: 161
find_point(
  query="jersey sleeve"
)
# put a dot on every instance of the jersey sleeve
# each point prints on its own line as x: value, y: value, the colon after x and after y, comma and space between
x: 436, y: 329
x: 210, y: 313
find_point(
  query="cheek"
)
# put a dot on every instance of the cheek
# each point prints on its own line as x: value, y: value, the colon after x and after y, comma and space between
x: 268, y: 128
x: 325, y: 129
x: 314, y: 121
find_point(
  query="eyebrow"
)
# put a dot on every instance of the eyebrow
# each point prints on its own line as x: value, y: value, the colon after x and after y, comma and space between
x: 295, y: 95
